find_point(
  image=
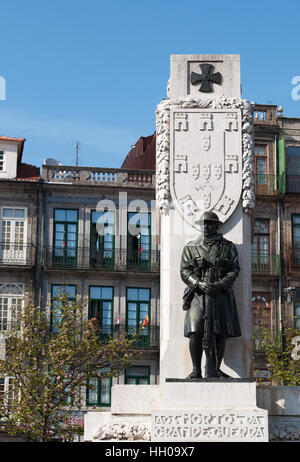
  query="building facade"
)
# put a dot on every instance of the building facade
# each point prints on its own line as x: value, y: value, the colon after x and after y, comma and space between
x: 95, y: 233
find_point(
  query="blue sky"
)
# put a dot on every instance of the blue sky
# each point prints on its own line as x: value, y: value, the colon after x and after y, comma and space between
x: 94, y: 71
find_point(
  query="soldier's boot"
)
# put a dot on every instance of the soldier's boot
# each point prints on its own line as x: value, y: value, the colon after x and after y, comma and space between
x: 210, y: 366
x: 220, y: 340
x: 195, y: 347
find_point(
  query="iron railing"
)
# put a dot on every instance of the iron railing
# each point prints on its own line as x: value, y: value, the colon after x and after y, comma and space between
x: 112, y: 260
x: 265, y: 264
x: 17, y: 254
x: 266, y: 184
x: 143, y: 337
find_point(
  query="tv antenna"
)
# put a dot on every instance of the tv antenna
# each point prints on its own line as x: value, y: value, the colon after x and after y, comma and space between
x: 77, y: 147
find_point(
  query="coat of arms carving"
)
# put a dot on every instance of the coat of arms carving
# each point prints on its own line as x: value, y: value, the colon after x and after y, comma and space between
x: 209, y: 146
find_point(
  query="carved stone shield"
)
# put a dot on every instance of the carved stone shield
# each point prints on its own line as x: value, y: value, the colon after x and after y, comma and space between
x: 205, y: 162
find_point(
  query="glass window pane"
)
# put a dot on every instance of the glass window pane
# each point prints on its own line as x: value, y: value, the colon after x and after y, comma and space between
x: 72, y: 215
x: 296, y: 219
x: 107, y: 293
x: 105, y: 391
x: 19, y: 213
x: 297, y: 309
x: 144, y: 294
x: 95, y: 293
x: 143, y: 381
x: 138, y: 371
x: 130, y: 381
x: 132, y: 294
x: 60, y: 215
x: 8, y: 213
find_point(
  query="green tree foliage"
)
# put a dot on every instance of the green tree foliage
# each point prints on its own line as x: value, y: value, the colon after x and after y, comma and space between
x: 283, y: 363
x: 48, y: 368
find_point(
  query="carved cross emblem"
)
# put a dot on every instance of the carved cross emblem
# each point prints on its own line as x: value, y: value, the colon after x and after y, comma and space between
x: 207, y: 78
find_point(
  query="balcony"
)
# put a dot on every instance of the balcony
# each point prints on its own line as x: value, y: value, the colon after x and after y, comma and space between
x: 16, y: 254
x: 266, y: 184
x: 92, y: 176
x: 264, y: 114
x: 265, y: 265
x: 144, y: 338
x: 114, y: 260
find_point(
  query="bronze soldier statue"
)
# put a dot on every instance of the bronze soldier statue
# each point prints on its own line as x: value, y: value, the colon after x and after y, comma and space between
x: 209, y: 267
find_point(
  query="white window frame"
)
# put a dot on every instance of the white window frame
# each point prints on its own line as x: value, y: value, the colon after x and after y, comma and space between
x: 10, y: 296
x: 6, y: 390
x: 2, y: 161
x: 12, y: 252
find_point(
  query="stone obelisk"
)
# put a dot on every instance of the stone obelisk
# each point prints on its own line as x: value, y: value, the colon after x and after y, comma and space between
x: 204, y: 163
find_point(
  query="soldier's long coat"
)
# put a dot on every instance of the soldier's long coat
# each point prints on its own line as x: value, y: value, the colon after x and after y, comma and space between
x: 198, y: 260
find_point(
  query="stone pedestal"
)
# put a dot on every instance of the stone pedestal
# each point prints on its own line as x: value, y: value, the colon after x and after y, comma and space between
x: 203, y: 411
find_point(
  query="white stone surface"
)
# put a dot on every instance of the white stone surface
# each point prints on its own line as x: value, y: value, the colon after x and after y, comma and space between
x: 183, y: 65
x: 133, y: 399
x: 234, y: 425
x: 208, y: 395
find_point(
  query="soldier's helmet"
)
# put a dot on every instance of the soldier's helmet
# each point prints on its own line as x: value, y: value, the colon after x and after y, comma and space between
x: 209, y: 216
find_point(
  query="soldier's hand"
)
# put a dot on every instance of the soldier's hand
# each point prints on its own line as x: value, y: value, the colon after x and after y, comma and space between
x: 206, y: 287
x: 218, y: 287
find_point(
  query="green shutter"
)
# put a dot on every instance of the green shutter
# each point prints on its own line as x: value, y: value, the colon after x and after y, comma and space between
x: 281, y: 164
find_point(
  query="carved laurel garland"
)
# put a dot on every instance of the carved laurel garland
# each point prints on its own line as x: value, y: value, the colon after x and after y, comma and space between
x: 121, y: 431
x: 163, y: 144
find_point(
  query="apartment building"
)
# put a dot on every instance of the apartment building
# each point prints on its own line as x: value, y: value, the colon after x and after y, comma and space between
x: 95, y: 233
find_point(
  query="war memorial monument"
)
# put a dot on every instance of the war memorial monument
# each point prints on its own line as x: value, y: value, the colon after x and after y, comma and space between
x: 205, y: 192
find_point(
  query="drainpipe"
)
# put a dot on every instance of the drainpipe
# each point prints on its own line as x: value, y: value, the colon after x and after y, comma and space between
x: 279, y: 253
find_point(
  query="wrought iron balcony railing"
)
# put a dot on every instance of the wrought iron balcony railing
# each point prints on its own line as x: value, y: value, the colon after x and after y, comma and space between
x: 16, y: 254
x: 266, y: 184
x: 144, y: 337
x: 108, y: 260
x: 266, y: 264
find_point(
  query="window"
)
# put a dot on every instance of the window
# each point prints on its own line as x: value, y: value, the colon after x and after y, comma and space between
x: 101, y: 308
x: 99, y: 391
x: 1, y: 160
x: 102, y: 238
x: 58, y: 290
x: 65, y: 237
x: 260, y: 152
x: 296, y: 238
x: 11, y: 300
x: 8, y: 391
x: 138, y: 314
x: 261, y: 245
x: 137, y: 375
x: 293, y: 160
x: 261, y: 314
x: 139, y: 239
x: 297, y: 310
x: 13, y: 235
